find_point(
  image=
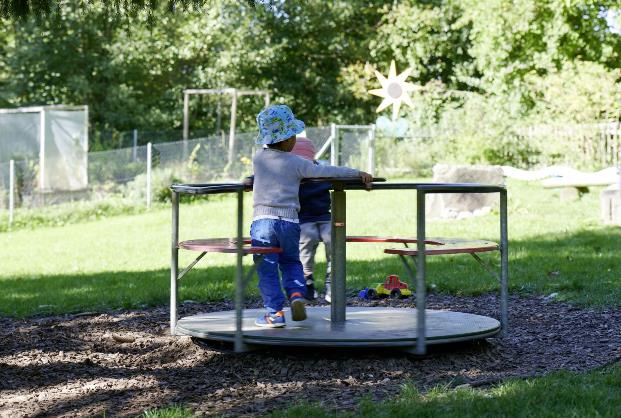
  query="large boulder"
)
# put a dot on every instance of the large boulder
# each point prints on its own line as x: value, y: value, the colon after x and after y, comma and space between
x: 463, y: 205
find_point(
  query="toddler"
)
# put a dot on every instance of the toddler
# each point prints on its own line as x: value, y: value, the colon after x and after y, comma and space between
x: 315, y: 225
x: 277, y: 176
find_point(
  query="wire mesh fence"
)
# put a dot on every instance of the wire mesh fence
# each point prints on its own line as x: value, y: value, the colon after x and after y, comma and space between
x: 141, y: 173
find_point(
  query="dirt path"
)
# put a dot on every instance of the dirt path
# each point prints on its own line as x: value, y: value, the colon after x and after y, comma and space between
x: 125, y: 362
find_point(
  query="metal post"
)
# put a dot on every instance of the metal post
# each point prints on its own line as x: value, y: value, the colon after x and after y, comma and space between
x: 371, y: 162
x: 11, y: 191
x: 232, y: 127
x: 186, y: 123
x: 333, y: 151
x: 42, y: 151
x: 421, y: 302
x: 504, y: 265
x: 239, y: 277
x: 149, y: 153
x: 135, y: 147
x: 338, y: 255
x: 174, y: 263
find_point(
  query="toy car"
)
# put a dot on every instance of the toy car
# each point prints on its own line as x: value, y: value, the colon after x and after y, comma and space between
x: 392, y: 287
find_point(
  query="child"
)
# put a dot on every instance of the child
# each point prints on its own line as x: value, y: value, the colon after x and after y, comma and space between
x: 277, y: 176
x: 314, y: 219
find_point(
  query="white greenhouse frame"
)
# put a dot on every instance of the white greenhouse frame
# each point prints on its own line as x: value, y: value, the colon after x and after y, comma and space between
x: 42, y: 110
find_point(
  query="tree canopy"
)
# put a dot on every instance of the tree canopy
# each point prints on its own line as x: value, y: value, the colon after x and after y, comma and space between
x: 130, y: 60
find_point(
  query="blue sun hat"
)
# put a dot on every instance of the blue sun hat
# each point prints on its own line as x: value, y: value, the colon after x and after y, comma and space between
x: 276, y: 124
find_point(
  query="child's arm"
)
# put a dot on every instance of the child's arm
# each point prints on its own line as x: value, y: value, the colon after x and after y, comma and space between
x: 307, y: 169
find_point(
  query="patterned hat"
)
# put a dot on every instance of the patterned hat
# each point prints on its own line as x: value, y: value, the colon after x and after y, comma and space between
x: 277, y: 124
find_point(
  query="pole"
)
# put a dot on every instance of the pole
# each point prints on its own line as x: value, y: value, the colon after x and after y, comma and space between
x: 186, y: 123
x: 239, y: 277
x: 149, y: 152
x: 42, y: 151
x: 11, y: 191
x: 504, y: 265
x: 174, y: 262
x: 135, y: 147
x: 421, y: 301
x: 333, y: 151
x: 232, y: 128
x: 337, y: 307
x: 371, y: 162
x: 267, y: 99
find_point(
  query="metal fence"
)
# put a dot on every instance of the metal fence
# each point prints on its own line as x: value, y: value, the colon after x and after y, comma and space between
x: 143, y: 173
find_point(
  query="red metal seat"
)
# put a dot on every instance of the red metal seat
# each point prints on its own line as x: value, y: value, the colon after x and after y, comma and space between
x: 399, y: 240
x: 449, y: 246
x: 225, y: 245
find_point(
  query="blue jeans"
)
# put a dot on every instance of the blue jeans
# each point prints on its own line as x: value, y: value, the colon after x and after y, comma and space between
x: 286, y: 235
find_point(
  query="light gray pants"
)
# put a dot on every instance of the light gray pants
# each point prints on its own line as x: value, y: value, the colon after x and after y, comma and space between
x: 311, y: 233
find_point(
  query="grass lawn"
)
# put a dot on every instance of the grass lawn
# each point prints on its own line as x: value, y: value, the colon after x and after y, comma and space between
x: 123, y: 261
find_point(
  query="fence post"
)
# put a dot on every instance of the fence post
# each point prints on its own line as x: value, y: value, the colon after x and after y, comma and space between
x: 11, y: 191
x: 135, y: 148
x: 333, y: 150
x: 232, y: 129
x: 149, y: 175
x: 371, y: 163
x: 186, y: 123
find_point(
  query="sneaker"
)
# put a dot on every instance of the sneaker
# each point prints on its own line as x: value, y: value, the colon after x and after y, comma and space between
x: 298, y: 307
x: 328, y: 293
x: 271, y: 320
x: 311, y: 293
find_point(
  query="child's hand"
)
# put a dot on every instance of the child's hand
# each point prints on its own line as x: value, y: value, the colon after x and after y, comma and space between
x: 366, y: 178
x: 248, y: 182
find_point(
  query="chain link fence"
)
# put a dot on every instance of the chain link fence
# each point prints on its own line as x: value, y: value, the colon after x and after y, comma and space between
x: 143, y: 173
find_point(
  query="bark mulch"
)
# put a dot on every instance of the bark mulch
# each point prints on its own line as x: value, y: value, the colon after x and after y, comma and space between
x: 126, y: 362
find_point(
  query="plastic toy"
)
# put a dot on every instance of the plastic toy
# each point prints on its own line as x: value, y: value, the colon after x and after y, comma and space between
x: 392, y: 287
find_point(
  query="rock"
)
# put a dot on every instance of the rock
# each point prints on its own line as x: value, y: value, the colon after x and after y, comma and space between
x: 458, y: 205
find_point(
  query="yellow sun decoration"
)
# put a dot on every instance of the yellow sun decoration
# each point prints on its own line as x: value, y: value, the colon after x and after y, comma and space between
x: 394, y: 90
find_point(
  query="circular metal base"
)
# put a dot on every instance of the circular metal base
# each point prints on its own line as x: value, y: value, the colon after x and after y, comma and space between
x: 365, y: 327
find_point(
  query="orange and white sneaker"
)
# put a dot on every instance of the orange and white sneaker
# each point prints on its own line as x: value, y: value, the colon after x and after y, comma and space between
x: 298, y: 306
x: 271, y: 320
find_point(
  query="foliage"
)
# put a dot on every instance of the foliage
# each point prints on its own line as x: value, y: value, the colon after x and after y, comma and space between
x: 131, y: 60
x: 69, y: 213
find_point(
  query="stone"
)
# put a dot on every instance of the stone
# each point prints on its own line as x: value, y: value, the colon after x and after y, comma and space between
x: 459, y: 205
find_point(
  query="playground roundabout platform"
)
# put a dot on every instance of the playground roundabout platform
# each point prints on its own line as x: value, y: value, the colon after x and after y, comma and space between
x: 364, y: 327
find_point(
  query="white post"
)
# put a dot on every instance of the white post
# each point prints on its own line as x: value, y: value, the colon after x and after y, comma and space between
x: 42, y: 150
x: 333, y: 151
x: 371, y: 162
x: 149, y: 175
x: 186, y: 123
x: 267, y: 99
x: 232, y: 128
x: 11, y: 190
x: 135, y: 147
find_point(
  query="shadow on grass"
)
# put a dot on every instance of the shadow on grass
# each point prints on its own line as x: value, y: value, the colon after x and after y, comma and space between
x: 583, y: 267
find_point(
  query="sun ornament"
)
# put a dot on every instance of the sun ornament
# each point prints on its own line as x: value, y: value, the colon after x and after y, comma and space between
x: 394, y: 90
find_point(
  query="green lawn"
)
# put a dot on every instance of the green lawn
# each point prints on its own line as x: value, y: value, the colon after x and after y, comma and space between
x: 123, y: 261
